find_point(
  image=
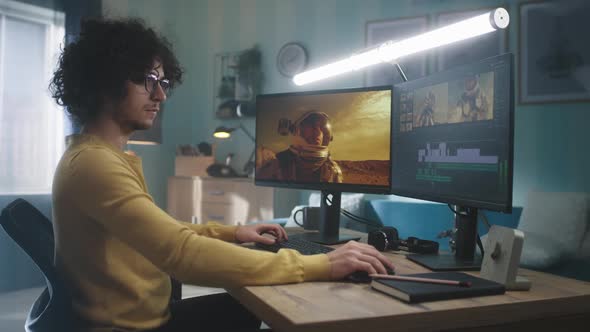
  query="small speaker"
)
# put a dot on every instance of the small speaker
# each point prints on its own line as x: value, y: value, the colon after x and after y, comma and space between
x: 502, y: 257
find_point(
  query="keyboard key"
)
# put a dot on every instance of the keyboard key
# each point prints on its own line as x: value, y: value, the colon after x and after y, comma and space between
x: 303, y: 246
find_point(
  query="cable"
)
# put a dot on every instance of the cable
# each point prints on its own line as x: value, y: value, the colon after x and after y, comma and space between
x: 359, y: 219
x: 480, y: 245
x: 485, y: 220
x: 354, y: 216
x: 456, y: 212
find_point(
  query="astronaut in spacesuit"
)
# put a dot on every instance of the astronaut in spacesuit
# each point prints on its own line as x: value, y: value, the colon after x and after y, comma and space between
x: 308, y: 157
x: 426, y: 117
x: 473, y: 103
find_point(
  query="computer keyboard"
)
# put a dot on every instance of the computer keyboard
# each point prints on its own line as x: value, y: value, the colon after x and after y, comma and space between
x: 303, y: 246
x: 311, y: 248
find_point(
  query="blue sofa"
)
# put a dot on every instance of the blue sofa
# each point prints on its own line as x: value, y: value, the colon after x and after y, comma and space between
x: 425, y: 220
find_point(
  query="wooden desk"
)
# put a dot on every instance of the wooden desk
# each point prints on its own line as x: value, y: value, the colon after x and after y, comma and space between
x: 553, y: 304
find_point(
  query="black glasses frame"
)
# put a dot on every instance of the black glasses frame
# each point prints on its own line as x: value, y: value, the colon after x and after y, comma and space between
x: 150, y: 83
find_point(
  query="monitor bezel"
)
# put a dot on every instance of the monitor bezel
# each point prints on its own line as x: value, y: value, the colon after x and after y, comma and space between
x: 505, y: 206
x: 323, y: 186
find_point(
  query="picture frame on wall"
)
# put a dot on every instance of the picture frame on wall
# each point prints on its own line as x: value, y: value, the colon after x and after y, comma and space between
x: 378, y: 32
x: 473, y: 49
x: 554, y: 53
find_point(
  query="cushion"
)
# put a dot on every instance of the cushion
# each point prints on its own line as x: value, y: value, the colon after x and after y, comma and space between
x: 554, y: 224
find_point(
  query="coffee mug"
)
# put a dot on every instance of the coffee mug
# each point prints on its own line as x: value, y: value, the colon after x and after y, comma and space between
x: 310, y: 217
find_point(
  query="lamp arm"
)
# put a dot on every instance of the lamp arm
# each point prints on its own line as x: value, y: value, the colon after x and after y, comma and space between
x: 401, y: 72
x: 249, y: 165
x: 247, y: 133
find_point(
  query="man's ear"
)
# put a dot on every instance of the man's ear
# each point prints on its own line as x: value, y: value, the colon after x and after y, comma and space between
x: 109, y: 100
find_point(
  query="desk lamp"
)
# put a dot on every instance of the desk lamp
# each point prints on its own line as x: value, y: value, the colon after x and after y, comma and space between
x: 392, y: 51
x: 225, y: 132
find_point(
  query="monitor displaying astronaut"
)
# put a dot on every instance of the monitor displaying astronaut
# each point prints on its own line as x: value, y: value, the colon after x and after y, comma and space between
x: 337, y: 136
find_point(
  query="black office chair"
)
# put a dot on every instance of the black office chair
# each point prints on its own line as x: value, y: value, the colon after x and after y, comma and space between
x: 33, y: 232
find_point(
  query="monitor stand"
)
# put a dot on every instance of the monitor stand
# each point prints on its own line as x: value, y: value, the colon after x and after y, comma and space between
x: 464, y: 258
x: 329, y: 221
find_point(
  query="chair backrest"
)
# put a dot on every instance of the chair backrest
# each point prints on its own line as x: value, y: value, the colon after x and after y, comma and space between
x: 33, y: 232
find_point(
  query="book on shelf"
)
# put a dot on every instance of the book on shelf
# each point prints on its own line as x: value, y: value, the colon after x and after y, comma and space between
x: 413, y: 291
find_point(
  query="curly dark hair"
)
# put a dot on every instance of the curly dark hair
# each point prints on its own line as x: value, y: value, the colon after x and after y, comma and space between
x: 107, y: 54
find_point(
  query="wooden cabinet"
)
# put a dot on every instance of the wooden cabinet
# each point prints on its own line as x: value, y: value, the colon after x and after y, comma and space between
x: 228, y: 201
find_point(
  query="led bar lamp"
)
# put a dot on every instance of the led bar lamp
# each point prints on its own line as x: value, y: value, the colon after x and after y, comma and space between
x: 391, y: 51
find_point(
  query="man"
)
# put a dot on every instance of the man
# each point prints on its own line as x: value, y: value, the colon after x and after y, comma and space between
x: 115, y: 248
x: 308, y: 158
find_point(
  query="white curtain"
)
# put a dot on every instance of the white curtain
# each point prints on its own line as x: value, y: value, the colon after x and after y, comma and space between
x: 31, y: 124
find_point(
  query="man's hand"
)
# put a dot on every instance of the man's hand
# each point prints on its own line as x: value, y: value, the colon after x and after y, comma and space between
x: 253, y: 233
x: 356, y: 256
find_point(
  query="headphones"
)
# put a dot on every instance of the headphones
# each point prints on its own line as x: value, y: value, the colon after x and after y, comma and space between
x: 387, y: 238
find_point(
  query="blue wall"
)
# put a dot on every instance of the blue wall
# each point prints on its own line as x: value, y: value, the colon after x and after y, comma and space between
x: 550, y: 138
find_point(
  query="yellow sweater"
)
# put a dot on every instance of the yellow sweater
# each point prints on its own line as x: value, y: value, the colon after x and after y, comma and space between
x: 116, y: 249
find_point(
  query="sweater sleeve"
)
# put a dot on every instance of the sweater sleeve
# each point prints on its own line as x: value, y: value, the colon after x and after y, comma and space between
x: 106, y: 188
x: 214, y: 230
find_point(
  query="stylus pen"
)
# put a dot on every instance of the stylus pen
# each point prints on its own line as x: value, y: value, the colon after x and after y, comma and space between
x: 425, y: 280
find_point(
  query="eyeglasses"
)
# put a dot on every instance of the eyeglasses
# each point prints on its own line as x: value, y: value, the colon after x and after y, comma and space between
x: 152, y: 80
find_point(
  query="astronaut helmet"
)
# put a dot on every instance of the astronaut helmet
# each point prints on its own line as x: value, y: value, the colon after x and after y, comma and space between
x: 314, y: 128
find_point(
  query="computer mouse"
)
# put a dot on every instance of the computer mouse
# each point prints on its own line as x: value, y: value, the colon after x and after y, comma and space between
x: 363, y: 276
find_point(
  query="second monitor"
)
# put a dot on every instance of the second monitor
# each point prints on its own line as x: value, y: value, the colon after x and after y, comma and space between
x: 333, y: 141
x: 453, y: 143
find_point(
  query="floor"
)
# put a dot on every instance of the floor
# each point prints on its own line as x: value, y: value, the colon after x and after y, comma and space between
x: 14, y: 306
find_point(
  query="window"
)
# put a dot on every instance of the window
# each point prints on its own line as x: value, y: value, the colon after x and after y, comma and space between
x: 31, y: 124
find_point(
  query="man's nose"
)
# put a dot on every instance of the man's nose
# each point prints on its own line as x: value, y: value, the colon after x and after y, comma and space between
x: 158, y: 94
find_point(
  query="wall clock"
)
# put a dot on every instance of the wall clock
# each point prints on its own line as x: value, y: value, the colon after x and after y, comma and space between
x: 291, y: 59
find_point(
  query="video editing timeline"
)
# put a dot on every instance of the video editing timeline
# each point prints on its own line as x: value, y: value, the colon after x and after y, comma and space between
x: 464, y: 159
x: 439, y: 157
x: 452, y: 134
x: 466, y: 156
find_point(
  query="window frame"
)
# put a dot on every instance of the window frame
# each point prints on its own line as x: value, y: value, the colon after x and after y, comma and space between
x: 54, y: 23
